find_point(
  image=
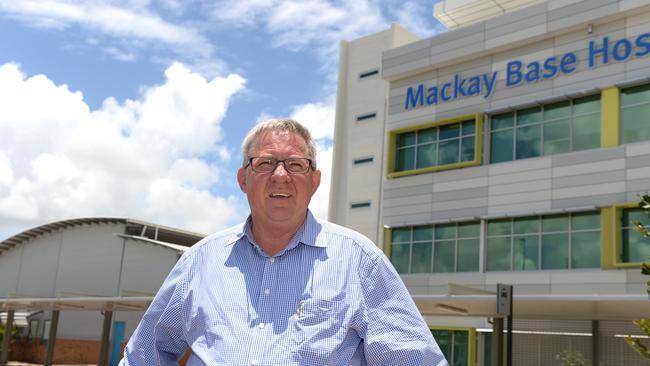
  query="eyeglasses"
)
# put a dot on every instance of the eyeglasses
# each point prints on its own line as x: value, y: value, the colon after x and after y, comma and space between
x: 262, y: 164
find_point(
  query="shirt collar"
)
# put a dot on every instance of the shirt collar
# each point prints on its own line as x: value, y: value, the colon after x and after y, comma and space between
x: 307, y: 234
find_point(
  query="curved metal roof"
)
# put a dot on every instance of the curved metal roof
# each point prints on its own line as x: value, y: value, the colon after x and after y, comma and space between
x: 146, y: 229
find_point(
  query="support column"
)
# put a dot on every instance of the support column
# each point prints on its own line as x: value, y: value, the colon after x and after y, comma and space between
x: 54, y: 323
x: 4, y: 356
x: 595, y: 346
x: 106, y: 332
x: 497, y: 342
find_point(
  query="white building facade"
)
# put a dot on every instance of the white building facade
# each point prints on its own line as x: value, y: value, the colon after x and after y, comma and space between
x: 511, y: 149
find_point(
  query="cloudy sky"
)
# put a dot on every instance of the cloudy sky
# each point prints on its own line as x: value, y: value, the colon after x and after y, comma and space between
x: 137, y: 109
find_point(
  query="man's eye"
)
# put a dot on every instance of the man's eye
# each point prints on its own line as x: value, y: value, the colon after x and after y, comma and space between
x: 265, y: 162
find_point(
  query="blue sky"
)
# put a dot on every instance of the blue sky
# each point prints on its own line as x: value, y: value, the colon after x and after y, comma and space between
x: 137, y: 109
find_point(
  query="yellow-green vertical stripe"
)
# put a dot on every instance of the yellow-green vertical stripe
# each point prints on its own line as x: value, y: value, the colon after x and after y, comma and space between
x: 387, y: 236
x: 610, y: 120
x: 471, y: 347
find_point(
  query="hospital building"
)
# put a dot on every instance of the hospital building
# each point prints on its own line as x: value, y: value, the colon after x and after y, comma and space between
x: 509, y: 149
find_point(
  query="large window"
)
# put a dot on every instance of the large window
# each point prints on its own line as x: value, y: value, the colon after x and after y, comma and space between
x: 436, y: 146
x: 635, y: 114
x: 454, y: 344
x: 555, y: 128
x: 634, y: 247
x: 564, y: 241
x: 436, y: 248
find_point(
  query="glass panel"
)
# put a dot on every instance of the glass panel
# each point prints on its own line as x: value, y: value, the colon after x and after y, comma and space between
x: 460, y: 348
x: 469, y: 230
x: 526, y: 225
x: 630, y: 215
x: 585, y: 221
x: 428, y: 135
x: 502, y: 121
x: 406, y: 139
x: 423, y: 233
x: 449, y: 131
x: 528, y: 116
x: 556, y: 137
x: 498, y: 254
x: 469, y: 127
x: 555, y: 251
x: 405, y: 159
x: 443, y: 258
x: 46, y: 330
x: 421, y: 258
x: 401, y: 235
x: 426, y: 156
x: 487, y: 349
x: 499, y: 227
x: 557, y: 110
x: 635, y: 247
x: 447, y: 231
x: 448, y: 153
x: 526, y: 252
x: 399, y: 256
x: 585, y: 249
x: 634, y: 123
x: 590, y: 104
x: 443, y: 338
x: 586, y: 132
x: 468, y: 255
x: 555, y: 223
x: 638, y: 94
x: 528, y: 142
x: 501, y: 146
x: 467, y: 149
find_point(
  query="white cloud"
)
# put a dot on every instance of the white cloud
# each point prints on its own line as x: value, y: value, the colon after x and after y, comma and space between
x: 130, y: 22
x: 144, y: 158
x: 298, y: 24
x: 319, y: 204
x: 319, y: 119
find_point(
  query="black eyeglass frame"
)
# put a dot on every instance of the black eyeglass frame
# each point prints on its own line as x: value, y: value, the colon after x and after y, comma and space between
x: 278, y: 161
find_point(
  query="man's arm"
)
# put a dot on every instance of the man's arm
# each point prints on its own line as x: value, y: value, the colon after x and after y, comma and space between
x: 395, y: 332
x: 159, y: 339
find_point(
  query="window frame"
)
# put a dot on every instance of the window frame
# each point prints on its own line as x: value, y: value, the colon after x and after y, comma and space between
x: 456, y: 240
x: 392, y: 145
x: 541, y: 123
x: 539, y: 234
x: 612, y: 237
x: 471, y: 342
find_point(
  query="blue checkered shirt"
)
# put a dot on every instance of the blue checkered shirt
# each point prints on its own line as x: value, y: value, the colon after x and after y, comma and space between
x: 329, y: 298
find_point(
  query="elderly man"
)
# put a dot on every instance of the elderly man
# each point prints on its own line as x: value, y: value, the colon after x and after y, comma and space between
x: 283, y: 288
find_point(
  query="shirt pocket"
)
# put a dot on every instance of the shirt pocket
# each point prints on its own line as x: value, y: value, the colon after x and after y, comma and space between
x: 320, y: 325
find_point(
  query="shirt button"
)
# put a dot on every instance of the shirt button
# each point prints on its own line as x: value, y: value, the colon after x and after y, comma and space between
x: 271, y: 260
x: 254, y: 362
x: 261, y: 325
x: 267, y: 291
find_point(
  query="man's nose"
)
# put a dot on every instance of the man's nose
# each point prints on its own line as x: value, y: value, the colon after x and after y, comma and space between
x: 280, y: 170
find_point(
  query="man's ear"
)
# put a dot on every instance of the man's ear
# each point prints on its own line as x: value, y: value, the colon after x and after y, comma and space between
x: 315, y: 180
x: 241, y: 179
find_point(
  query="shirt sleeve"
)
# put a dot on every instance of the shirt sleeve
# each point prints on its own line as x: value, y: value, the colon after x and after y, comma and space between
x: 394, y: 331
x: 159, y: 339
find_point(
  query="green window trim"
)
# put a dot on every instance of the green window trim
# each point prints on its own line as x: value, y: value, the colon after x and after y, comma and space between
x: 611, y: 240
x: 471, y: 342
x: 392, y: 146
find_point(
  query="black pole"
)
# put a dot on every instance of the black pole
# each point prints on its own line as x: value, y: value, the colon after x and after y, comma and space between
x: 509, y: 344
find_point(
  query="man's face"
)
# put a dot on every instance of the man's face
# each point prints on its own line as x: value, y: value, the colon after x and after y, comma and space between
x: 279, y: 198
